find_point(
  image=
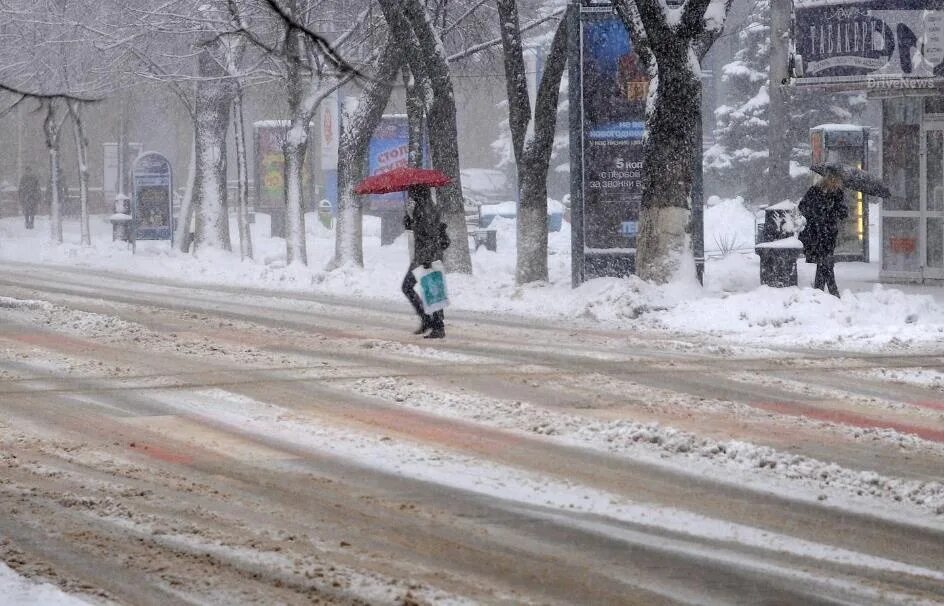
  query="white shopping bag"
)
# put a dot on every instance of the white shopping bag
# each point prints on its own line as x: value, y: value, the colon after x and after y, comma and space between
x: 431, y: 287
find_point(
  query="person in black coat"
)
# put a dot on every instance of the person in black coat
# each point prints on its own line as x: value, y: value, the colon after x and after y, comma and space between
x: 429, y: 242
x: 30, y: 196
x: 824, y: 208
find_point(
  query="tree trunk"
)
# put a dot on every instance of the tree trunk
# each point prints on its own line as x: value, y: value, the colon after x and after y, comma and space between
x: 415, y: 115
x: 443, y: 133
x: 532, y: 146
x: 242, y: 177
x: 667, y: 183
x: 185, y: 214
x: 357, y: 127
x: 214, y: 97
x: 81, y: 143
x: 663, y: 244
x: 51, y: 128
x: 778, y: 118
x: 294, y: 149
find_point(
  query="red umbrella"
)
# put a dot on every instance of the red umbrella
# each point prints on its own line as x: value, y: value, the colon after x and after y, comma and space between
x: 400, y: 179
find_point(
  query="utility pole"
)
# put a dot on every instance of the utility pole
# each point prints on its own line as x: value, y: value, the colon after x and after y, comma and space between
x: 778, y: 118
x: 122, y: 144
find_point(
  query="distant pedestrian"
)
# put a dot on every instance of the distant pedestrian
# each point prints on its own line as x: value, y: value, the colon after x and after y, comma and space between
x: 429, y: 242
x: 824, y: 208
x: 30, y: 196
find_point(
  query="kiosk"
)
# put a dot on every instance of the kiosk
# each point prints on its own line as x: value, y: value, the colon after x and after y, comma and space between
x: 152, y: 199
x: 893, y: 50
x: 846, y: 144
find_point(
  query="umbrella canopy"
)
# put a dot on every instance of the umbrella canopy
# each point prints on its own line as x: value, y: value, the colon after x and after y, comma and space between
x: 855, y: 179
x: 400, y: 179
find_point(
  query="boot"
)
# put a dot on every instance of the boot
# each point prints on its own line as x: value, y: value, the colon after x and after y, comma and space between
x: 436, y: 333
x: 425, y: 326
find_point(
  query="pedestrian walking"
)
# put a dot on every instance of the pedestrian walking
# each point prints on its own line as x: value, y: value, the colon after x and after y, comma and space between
x: 430, y: 239
x: 30, y: 196
x: 824, y: 208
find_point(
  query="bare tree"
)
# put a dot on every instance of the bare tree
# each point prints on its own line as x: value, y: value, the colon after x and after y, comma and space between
x: 532, y: 138
x: 357, y: 127
x: 81, y: 144
x: 441, y: 117
x: 672, y: 41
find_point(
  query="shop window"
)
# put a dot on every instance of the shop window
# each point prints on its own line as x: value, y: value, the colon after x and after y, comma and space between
x: 901, y: 166
x: 936, y: 243
x: 934, y: 105
x: 900, y: 235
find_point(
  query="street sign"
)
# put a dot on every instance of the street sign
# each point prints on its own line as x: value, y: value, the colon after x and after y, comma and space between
x: 869, y: 44
x: 152, y: 198
x: 610, y: 87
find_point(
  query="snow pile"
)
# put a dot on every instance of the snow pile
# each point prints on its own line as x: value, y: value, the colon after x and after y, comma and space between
x: 680, y: 448
x: 731, y: 306
x: 19, y: 591
x: 880, y: 318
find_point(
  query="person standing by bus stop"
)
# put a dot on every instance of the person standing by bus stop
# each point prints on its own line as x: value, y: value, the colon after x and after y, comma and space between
x: 824, y: 207
x: 30, y: 196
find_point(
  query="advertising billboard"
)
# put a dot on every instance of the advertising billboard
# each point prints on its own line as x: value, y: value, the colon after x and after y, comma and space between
x: 389, y: 148
x: 611, y: 91
x: 869, y: 44
x: 151, y: 198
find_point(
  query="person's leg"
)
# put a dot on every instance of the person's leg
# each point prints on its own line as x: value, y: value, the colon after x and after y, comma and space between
x: 819, y: 282
x: 409, y: 281
x: 438, y: 325
x: 831, y: 279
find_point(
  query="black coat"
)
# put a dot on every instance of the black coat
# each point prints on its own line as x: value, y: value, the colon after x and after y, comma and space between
x: 824, y: 212
x: 429, y: 232
x: 30, y: 192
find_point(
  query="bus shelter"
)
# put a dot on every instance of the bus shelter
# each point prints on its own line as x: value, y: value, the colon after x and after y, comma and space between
x: 893, y: 50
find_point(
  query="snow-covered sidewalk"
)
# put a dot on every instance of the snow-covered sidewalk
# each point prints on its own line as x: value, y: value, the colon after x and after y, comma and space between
x: 732, y: 307
x: 19, y: 591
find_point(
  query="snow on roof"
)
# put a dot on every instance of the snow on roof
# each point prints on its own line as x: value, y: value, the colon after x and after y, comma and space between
x: 784, y: 205
x: 271, y: 123
x: 839, y: 127
x: 483, y: 179
x: 510, y: 209
x: 811, y: 3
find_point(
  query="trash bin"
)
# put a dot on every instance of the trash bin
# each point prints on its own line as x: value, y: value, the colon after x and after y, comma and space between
x: 778, y: 266
x: 778, y: 246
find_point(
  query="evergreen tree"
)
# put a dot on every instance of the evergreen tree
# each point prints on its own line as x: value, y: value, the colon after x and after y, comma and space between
x: 737, y: 162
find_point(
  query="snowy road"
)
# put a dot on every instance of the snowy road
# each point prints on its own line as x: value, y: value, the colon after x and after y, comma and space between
x: 171, y: 444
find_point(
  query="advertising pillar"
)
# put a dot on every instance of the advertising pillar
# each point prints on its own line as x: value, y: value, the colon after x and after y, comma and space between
x: 609, y: 88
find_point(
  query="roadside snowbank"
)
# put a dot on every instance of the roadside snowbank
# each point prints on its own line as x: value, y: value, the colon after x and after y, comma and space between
x: 731, y: 307
x: 20, y: 591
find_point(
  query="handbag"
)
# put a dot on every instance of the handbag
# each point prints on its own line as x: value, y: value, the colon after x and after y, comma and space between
x: 431, y: 287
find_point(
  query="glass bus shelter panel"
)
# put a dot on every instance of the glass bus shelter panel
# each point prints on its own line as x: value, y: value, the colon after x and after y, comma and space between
x: 900, y: 243
x: 851, y: 243
x: 936, y: 242
x: 935, y: 170
x: 901, y: 167
x: 852, y: 231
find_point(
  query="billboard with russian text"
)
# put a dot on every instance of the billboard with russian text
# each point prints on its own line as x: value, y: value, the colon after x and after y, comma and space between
x: 870, y: 44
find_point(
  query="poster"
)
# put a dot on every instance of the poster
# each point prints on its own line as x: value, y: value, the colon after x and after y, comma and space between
x: 872, y: 44
x: 613, y: 90
x: 270, y: 163
x: 330, y: 131
x: 152, y: 198
x: 389, y: 148
x: 268, y: 137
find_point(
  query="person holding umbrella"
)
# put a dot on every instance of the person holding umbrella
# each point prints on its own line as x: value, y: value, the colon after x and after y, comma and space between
x: 430, y: 240
x: 824, y: 208
x: 424, y: 219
